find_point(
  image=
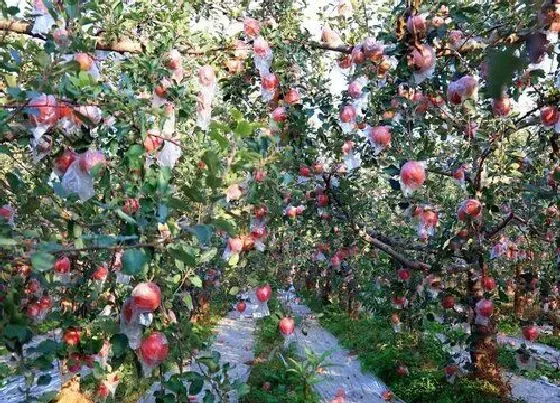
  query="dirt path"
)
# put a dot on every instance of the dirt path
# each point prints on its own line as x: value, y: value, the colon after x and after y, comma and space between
x: 542, y: 351
x: 234, y: 340
x: 538, y: 391
x: 344, y: 373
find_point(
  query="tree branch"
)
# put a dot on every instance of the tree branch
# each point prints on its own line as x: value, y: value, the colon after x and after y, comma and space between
x: 411, y: 264
x: 511, y: 217
x: 490, y: 233
x: 372, y: 236
x: 25, y: 28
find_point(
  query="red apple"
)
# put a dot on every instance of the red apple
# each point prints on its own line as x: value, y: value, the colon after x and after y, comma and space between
x: 549, y: 115
x: 146, y: 296
x: 45, y: 302
x: 404, y: 274
x: 292, y: 96
x: 347, y: 114
x: 263, y: 293
x: 241, y: 306
x: 103, y: 391
x: 485, y: 307
x: 71, y: 336
x: 322, y: 200
x: 470, y: 208
x: 62, y: 265
x: 33, y: 310
x: 402, y: 371
x: 261, y: 211
x: 90, y: 159
x: 63, y: 162
x: 501, y: 106
x: 153, y: 140
x: 129, y: 309
x: 531, y: 333
x: 84, y: 60
x: 304, y: 171
x: 235, y: 244
x: 287, y: 326
x: 488, y: 283
x: 101, y: 273
x: 131, y: 206
x: 74, y: 362
x: 279, y: 114
x: 260, y: 175
x: 448, y: 302
x: 154, y: 349
x: 161, y: 91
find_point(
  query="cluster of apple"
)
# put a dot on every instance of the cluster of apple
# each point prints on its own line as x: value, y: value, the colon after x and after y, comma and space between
x: 137, y: 313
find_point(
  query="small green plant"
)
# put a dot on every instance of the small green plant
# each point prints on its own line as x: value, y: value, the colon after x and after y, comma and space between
x: 550, y: 339
x: 506, y: 358
x: 271, y: 379
x: 306, y: 371
x: 509, y: 326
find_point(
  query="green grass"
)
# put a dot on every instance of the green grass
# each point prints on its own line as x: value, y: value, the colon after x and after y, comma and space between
x: 506, y: 358
x: 550, y: 339
x: 509, y: 326
x: 381, y: 351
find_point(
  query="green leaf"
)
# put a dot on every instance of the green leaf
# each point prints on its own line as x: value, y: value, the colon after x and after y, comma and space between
x: 208, y: 255
x: 18, y: 332
x: 126, y: 217
x: 177, y: 204
x: 202, y: 232
x: 187, y: 300
x: 234, y: 291
x: 233, y: 260
x: 7, y: 242
x: 193, y: 193
x: 196, y: 281
x: 391, y: 170
x: 42, y: 261
x: 212, y: 161
x: 243, y: 129
x: 183, y: 253
x: 175, y: 384
x: 134, y: 261
x: 13, y: 181
x: 47, y: 347
x: 208, y: 397
x: 502, y: 65
x: 242, y: 389
x: 222, y: 141
x: 44, y: 379
x: 119, y: 344
x: 196, y: 386
x: 225, y: 225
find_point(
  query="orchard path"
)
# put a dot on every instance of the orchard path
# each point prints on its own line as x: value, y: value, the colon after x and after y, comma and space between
x: 234, y: 340
x: 533, y: 391
x: 13, y: 389
x: 343, y: 371
x: 542, y: 351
